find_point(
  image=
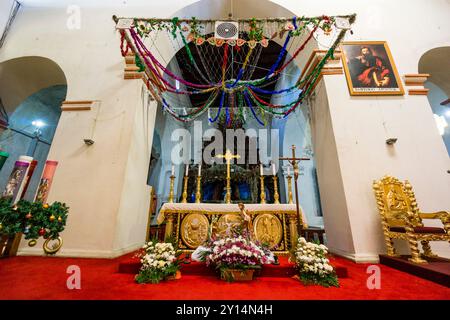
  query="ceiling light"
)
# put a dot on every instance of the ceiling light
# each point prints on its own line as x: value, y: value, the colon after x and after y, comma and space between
x: 38, y: 123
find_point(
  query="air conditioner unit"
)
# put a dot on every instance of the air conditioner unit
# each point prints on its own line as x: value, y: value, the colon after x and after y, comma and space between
x: 226, y: 30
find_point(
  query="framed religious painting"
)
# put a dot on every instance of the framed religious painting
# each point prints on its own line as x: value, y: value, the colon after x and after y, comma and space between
x: 370, y: 69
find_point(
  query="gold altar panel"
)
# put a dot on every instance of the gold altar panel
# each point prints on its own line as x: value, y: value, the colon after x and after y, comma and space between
x: 190, y: 224
x: 268, y: 229
x: 194, y: 230
x: 228, y: 223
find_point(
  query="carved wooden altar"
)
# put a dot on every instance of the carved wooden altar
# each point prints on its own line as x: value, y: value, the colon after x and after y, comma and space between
x: 192, y: 223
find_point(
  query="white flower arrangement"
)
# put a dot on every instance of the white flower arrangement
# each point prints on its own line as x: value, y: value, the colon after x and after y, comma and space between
x: 159, y: 260
x: 237, y: 251
x: 313, y: 265
x: 233, y: 253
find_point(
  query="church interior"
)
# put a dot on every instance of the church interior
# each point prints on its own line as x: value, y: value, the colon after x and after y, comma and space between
x: 224, y: 150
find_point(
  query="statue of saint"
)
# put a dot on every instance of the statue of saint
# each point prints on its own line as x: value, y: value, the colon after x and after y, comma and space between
x: 247, y: 224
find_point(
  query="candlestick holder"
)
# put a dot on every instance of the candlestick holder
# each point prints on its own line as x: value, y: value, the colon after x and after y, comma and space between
x: 198, y: 195
x: 289, y: 180
x: 228, y: 189
x: 263, y: 194
x: 185, y: 183
x: 172, y: 182
x: 276, y: 196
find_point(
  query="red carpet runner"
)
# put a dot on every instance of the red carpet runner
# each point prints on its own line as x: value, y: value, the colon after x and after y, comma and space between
x: 46, y: 277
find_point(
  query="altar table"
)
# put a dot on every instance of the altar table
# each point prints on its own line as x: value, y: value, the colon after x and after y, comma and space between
x: 191, y: 223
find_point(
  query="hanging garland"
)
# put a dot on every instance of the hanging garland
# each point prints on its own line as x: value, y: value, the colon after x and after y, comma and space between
x: 247, y: 92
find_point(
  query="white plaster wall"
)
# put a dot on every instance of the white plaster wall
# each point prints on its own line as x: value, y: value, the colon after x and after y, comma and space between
x: 361, y: 126
x: 334, y: 205
x: 5, y: 8
x: 135, y: 199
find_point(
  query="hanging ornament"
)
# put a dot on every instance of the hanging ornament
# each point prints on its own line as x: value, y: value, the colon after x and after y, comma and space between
x: 199, y: 41
x: 59, y: 219
x: 264, y: 42
x: 32, y: 243
x: 45, y: 206
x: 231, y: 42
x: 289, y: 27
x: 29, y: 215
x: 326, y: 26
x: 240, y: 42
x: 27, y: 230
x: 52, y: 218
x: 219, y: 42
x: 41, y: 231
x: 251, y: 43
x: 1, y: 226
x: 327, y: 30
x: 210, y: 59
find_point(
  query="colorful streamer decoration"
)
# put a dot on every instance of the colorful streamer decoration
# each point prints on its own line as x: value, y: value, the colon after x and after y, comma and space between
x: 221, y: 71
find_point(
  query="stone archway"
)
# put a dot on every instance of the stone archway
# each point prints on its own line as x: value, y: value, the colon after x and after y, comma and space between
x: 220, y: 9
x: 435, y: 62
x: 31, y: 89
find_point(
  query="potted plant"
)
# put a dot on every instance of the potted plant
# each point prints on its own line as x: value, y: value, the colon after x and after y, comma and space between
x: 313, y: 265
x: 159, y: 262
x: 235, y: 258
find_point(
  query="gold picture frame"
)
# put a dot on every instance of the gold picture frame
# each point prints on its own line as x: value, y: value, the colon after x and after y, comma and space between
x: 370, y: 69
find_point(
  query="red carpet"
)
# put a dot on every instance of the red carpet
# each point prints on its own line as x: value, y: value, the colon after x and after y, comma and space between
x: 45, y: 278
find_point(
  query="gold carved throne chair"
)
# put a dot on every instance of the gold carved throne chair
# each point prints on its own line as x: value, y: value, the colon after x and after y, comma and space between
x: 402, y: 219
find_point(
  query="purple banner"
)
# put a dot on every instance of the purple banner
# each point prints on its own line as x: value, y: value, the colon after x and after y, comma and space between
x: 16, y: 181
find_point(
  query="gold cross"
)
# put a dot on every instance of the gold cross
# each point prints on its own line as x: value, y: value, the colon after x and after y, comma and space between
x: 228, y: 156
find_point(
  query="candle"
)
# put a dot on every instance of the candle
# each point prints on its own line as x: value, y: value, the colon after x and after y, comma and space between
x: 199, y: 170
x: 187, y: 170
x: 273, y: 169
x: 289, y: 170
x: 173, y: 170
x: 261, y: 169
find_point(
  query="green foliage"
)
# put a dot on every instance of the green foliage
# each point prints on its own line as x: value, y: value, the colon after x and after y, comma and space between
x: 256, y: 30
x: 34, y: 219
x: 195, y: 27
x: 9, y: 218
x: 152, y: 275
x: 139, y: 63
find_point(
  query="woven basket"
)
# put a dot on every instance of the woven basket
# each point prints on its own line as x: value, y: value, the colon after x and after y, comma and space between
x: 237, y: 274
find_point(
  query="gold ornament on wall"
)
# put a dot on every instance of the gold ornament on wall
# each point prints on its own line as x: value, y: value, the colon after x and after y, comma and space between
x: 268, y: 229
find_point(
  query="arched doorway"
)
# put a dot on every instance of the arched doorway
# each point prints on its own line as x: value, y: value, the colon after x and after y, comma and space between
x: 293, y: 130
x: 436, y: 63
x: 31, y: 92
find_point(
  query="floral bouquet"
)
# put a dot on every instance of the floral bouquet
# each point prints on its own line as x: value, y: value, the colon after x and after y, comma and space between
x: 234, y: 253
x: 312, y: 264
x: 159, y: 262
